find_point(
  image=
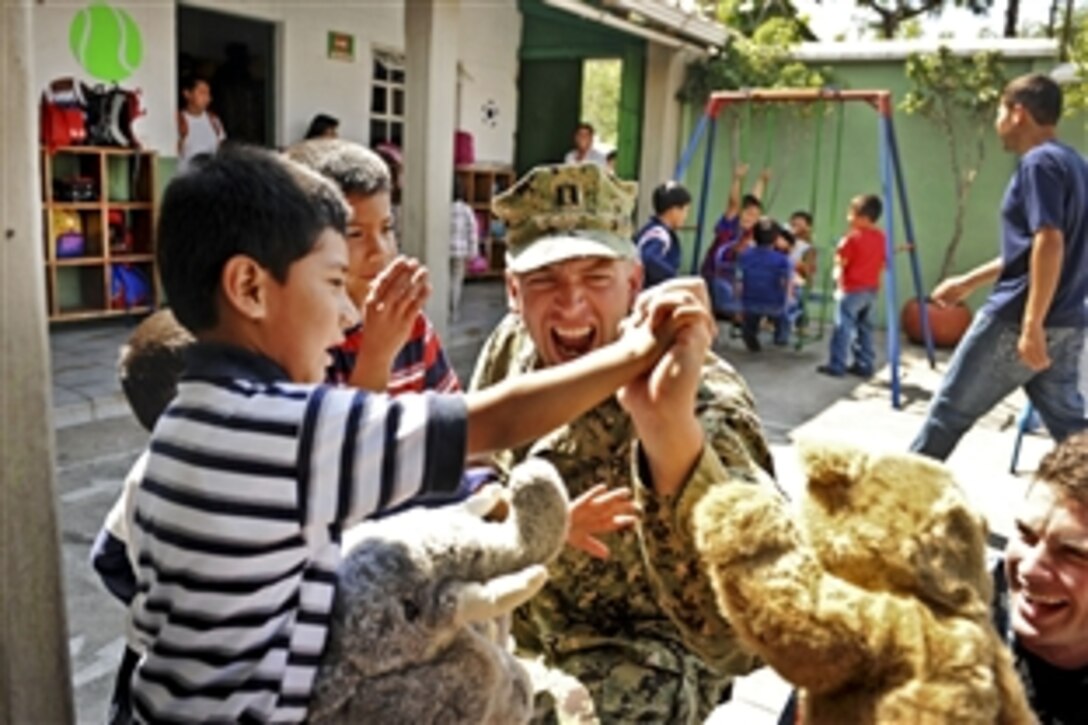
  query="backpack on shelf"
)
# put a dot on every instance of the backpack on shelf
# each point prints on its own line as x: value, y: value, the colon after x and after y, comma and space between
x: 111, y: 113
x: 61, y: 115
x: 129, y: 287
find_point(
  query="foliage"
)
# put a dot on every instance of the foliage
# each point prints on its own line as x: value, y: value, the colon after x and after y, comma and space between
x: 891, y: 14
x: 960, y: 95
x: 745, y: 16
x: 761, y: 61
x: 601, y: 98
x: 1075, y: 94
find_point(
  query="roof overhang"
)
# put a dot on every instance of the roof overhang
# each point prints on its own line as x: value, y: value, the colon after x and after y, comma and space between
x: 669, y: 22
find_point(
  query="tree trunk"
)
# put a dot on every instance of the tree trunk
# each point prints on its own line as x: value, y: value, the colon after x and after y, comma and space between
x: 1012, y: 18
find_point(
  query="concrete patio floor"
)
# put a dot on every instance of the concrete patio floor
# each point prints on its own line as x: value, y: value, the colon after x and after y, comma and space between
x: 97, y: 441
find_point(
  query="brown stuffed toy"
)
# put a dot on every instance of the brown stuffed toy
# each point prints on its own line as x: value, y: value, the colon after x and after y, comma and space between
x: 876, y: 604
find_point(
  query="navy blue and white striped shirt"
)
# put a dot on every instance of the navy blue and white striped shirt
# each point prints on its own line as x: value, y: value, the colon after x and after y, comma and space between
x: 236, y: 527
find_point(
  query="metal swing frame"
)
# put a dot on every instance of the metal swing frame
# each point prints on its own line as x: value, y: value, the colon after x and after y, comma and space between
x: 892, y: 182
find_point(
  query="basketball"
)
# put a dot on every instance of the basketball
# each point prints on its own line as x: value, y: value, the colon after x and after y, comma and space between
x: 106, y: 42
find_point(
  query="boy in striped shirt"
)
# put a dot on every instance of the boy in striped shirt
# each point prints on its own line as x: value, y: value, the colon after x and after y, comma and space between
x: 257, y: 466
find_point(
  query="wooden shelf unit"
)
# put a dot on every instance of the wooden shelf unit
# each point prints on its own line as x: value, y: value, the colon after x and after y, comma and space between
x: 481, y: 183
x: 123, y: 183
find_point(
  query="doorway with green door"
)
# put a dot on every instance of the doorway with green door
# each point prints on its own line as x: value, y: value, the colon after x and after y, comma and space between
x: 571, y: 71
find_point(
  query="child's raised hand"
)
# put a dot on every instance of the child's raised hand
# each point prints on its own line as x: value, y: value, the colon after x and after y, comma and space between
x: 740, y: 171
x: 389, y: 312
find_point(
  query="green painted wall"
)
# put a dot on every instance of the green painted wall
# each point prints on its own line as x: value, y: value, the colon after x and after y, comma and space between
x: 926, y: 168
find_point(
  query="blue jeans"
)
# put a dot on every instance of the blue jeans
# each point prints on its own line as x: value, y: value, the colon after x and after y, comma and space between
x: 986, y: 367
x: 853, y: 331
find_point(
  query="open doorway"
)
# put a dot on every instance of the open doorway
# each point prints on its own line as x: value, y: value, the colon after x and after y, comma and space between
x: 236, y: 56
x: 601, y: 82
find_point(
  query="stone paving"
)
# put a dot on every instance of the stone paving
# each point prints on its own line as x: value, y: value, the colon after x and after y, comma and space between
x: 97, y: 441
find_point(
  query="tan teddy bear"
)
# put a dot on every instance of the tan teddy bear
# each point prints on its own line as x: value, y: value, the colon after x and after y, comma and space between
x: 875, y: 604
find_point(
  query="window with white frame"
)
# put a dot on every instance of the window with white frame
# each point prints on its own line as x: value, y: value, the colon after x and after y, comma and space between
x: 387, y: 99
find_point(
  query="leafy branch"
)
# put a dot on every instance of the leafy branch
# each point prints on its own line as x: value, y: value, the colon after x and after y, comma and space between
x: 959, y: 95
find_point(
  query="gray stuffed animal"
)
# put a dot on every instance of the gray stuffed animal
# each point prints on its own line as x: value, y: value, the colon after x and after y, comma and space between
x: 415, y: 635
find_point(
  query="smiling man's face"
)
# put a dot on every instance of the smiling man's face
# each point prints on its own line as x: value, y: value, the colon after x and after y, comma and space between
x: 1047, y: 568
x: 574, y: 306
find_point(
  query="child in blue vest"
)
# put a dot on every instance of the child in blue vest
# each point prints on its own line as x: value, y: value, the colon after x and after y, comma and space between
x: 658, y: 243
x: 765, y: 280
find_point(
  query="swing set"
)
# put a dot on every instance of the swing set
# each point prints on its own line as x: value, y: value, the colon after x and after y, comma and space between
x: 891, y: 174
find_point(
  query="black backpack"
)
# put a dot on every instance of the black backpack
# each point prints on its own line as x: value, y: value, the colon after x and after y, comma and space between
x: 110, y: 114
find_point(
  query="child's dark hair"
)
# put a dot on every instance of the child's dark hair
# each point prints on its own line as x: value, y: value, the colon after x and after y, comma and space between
x: 1039, y: 94
x: 802, y: 214
x: 354, y: 168
x: 669, y: 195
x: 750, y: 200
x: 766, y: 231
x: 611, y: 155
x: 190, y: 82
x: 241, y: 201
x: 150, y: 364
x: 321, y: 124
x: 869, y: 206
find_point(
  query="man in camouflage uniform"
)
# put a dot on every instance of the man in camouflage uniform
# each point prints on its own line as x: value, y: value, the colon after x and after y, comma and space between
x: 628, y: 610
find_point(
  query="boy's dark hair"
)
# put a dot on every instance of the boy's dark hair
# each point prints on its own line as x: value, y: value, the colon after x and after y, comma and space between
x: 239, y: 201
x: 611, y: 155
x: 669, y: 195
x: 802, y: 214
x: 1065, y: 467
x: 321, y: 124
x: 151, y: 363
x: 869, y: 206
x: 357, y: 170
x: 1040, y: 96
x: 586, y: 125
x: 750, y: 200
x: 766, y: 231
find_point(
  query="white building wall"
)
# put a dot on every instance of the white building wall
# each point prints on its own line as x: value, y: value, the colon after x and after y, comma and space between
x: 156, y: 77
x: 490, y: 38
x: 308, y: 82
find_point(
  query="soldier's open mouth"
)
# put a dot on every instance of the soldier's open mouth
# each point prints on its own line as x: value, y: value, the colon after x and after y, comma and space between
x: 573, y: 341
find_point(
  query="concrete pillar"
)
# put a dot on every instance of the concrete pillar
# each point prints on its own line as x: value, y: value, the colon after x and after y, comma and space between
x: 431, y: 45
x: 662, y: 120
x: 34, y: 671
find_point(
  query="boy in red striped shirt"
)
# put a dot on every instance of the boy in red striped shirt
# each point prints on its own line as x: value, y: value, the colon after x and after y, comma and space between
x: 399, y: 345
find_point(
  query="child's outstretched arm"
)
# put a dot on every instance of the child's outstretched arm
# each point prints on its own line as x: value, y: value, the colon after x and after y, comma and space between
x: 524, y: 408
x: 732, y: 204
x: 759, y: 191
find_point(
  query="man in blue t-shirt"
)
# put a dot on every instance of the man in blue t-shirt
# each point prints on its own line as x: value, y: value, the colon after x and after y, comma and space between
x: 1030, y: 332
x: 765, y: 277
x: 657, y: 242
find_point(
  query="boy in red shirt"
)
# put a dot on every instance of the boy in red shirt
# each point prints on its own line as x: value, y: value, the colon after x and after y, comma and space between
x: 859, y: 261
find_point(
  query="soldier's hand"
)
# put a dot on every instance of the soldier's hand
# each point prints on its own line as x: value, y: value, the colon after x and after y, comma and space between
x: 600, y: 511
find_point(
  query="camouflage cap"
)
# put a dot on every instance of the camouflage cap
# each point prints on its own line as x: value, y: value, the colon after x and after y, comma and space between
x: 564, y: 211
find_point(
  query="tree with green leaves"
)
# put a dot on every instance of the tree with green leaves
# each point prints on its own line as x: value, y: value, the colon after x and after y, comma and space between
x: 891, y: 14
x: 959, y: 94
x: 762, y: 60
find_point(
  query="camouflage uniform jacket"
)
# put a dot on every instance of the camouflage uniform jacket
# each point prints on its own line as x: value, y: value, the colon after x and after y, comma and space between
x: 647, y: 611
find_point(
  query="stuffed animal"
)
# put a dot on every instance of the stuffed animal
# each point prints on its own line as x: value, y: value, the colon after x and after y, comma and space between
x: 418, y: 633
x: 876, y: 603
